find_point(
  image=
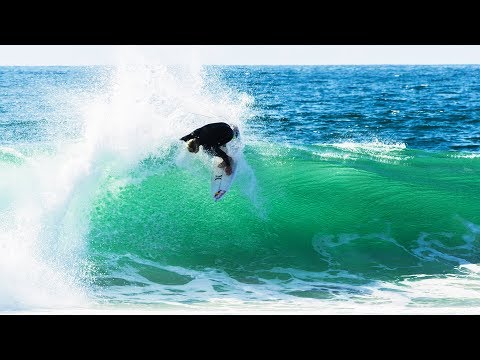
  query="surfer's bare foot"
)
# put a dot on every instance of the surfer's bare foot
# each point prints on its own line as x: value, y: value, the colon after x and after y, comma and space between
x: 228, y: 170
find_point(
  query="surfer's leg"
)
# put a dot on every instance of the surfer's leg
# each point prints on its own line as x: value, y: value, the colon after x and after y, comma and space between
x: 223, y: 164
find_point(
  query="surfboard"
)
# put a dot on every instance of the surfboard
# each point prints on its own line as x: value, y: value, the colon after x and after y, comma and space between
x: 221, y: 182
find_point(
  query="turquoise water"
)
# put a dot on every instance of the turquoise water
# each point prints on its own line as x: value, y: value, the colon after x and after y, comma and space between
x: 357, y: 190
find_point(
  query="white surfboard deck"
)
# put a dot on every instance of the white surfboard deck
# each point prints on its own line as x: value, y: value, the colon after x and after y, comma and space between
x: 221, y: 182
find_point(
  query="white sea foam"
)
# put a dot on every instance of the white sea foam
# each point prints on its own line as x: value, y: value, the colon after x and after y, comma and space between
x: 375, y: 150
x: 45, y: 212
x: 11, y: 151
x: 466, y: 156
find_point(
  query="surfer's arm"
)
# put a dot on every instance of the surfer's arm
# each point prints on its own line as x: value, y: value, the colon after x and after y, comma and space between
x: 187, y: 137
x: 193, y: 134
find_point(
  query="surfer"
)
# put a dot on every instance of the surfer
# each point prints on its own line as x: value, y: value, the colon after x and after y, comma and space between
x: 211, y: 137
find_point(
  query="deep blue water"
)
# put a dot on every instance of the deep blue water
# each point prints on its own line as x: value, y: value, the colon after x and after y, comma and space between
x: 425, y: 107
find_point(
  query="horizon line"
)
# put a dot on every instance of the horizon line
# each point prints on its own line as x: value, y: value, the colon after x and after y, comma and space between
x: 260, y: 64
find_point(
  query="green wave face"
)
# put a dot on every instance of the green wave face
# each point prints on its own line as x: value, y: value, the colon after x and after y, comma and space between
x: 379, y: 214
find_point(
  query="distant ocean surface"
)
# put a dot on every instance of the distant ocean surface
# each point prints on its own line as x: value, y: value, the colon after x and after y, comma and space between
x: 358, y: 190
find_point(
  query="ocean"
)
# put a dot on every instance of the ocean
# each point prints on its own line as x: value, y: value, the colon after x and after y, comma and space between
x: 357, y: 192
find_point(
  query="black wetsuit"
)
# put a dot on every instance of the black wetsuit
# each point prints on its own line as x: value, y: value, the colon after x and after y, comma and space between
x: 211, y: 137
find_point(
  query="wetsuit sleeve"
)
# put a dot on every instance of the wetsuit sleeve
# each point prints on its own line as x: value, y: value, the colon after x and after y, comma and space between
x: 220, y: 153
x: 192, y: 135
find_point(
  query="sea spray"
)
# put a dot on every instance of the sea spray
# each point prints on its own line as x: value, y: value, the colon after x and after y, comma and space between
x: 49, y: 193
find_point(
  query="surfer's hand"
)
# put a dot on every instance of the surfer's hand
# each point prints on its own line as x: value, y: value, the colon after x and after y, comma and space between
x: 228, y: 170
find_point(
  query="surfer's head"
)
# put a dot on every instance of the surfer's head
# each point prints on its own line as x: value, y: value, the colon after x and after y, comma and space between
x: 192, y: 145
